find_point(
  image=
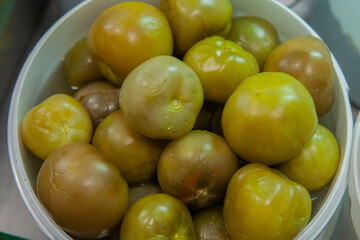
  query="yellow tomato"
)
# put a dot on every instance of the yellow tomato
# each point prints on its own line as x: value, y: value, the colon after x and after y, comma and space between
x: 126, y: 35
x: 221, y: 66
x: 269, y: 118
x: 317, y: 163
x: 193, y: 20
x: 262, y: 203
x: 57, y: 121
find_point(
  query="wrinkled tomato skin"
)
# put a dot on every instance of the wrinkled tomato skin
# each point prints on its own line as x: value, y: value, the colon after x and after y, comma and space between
x: 84, y: 193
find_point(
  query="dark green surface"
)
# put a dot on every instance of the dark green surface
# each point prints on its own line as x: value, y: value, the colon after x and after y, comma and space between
x: 4, y: 236
x: 5, y: 9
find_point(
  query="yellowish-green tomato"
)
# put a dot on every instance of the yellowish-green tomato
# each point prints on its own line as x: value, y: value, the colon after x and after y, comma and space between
x: 84, y: 193
x: 262, y: 203
x: 193, y: 20
x: 162, y: 98
x: 256, y: 35
x: 221, y: 66
x: 79, y: 67
x: 317, y: 163
x: 269, y: 118
x: 126, y: 35
x: 157, y: 216
x: 135, y: 155
x: 209, y: 224
x: 57, y: 121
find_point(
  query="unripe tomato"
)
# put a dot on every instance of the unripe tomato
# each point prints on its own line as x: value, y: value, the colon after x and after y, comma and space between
x: 193, y: 20
x: 84, y: 193
x: 308, y: 59
x: 269, y: 118
x: 256, y: 35
x: 197, y: 168
x: 126, y: 35
x: 79, y: 68
x: 162, y: 98
x: 57, y: 121
x: 317, y: 162
x: 262, y: 203
x: 157, y: 216
x: 135, y: 155
x: 221, y: 66
x: 209, y: 224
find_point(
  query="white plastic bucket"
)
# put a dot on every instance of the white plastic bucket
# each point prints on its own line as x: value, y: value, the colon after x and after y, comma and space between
x: 41, y: 76
x: 354, y: 179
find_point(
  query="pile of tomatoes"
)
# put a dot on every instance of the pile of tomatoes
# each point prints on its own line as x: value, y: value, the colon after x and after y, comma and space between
x: 187, y: 124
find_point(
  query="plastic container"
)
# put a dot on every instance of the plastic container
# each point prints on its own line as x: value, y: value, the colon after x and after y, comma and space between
x: 354, y: 179
x: 41, y: 76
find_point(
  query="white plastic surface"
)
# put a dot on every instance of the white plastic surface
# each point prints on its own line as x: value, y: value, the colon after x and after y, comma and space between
x: 41, y: 77
x: 354, y: 179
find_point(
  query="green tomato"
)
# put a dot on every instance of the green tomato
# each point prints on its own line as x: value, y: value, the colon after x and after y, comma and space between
x: 84, y: 193
x: 143, y: 190
x: 196, y: 168
x: 256, y: 35
x: 135, y: 155
x: 162, y: 98
x: 193, y: 20
x: 221, y: 66
x: 262, y: 203
x: 317, y: 163
x: 79, y: 67
x: 157, y: 216
x: 308, y: 59
x: 269, y: 118
x: 127, y: 34
x: 209, y: 224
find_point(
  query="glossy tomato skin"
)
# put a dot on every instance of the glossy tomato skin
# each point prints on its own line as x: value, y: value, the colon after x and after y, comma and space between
x: 84, y: 193
x: 269, y: 118
x: 57, y: 121
x: 308, y: 59
x: 127, y: 34
x: 317, y: 163
x: 100, y: 98
x: 157, y: 216
x: 221, y: 66
x: 256, y: 35
x: 79, y: 68
x: 262, y: 203
x: 209, y: 224
x: 135, y: 155
x: 162, y: 98
x: 196, y: 168
x: 193, y: 20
